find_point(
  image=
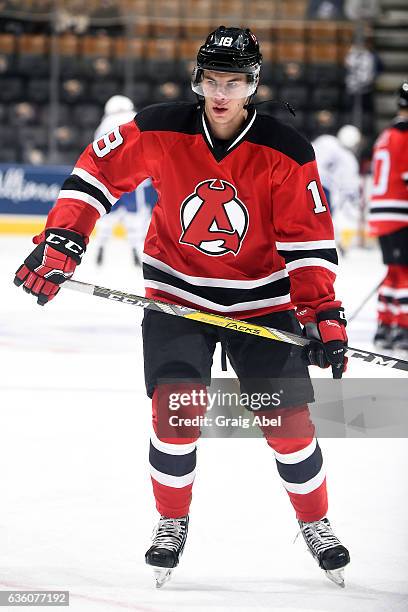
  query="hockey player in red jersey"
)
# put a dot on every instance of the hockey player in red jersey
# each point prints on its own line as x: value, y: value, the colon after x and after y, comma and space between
x: 242, y: 228
x: 389, y: 221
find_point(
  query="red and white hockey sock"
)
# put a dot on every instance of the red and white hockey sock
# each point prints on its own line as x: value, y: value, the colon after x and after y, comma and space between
x: 300, y: 464
x: 385, y: 307
x: 401, y: 295
x: 173, y: 449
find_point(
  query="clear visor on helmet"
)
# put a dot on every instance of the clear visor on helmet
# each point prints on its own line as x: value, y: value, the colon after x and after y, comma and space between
x: 211, y: 84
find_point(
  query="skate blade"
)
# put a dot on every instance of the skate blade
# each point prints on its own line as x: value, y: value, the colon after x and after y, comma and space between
x: 162, y: 575
x: 336, y: 576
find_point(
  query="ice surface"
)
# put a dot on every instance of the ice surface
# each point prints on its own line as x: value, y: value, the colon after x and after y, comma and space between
x: 76, y: 508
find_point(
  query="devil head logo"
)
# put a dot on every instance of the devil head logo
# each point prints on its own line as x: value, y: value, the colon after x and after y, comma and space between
x: 213, y: 219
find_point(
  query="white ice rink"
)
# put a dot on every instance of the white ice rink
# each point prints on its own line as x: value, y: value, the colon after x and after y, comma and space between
x: 76, y: 509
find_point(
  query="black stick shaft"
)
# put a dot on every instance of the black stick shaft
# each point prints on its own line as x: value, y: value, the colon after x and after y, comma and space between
x: 226, y: 322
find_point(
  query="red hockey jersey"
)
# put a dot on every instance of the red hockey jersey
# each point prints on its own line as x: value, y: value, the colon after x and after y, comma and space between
x: 389, y: 200
x: 240, y: 228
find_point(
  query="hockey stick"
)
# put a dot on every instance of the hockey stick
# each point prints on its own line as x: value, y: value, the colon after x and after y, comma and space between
x: 364, y: 302
x: 225, y: 322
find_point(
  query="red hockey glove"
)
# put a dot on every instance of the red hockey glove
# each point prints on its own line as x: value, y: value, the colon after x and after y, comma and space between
x: 51, y: 263
x: 327, y: 324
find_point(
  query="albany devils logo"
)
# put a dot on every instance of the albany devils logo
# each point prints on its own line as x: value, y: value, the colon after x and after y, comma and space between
x: 213, y: 219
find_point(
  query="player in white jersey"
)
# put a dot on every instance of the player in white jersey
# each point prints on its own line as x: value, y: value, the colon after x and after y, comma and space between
x: 339, y: 174
x: 131, y: 210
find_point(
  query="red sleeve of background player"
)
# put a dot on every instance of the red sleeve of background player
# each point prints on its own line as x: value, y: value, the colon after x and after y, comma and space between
x: 110, y: 166
x: 305, y: 237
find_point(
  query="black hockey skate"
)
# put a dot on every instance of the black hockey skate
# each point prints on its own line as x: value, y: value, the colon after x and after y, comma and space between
x: 400, y: 339
x: 169, y: 538
x: 383, y: 338
x: 326, y: 549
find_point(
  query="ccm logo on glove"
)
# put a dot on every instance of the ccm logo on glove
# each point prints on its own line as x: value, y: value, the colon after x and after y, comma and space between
x: 52, y: 262
x: 73, y: 247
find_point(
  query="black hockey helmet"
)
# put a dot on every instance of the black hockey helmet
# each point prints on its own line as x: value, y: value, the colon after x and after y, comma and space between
x: 229, y: 50
x: 403, y: 95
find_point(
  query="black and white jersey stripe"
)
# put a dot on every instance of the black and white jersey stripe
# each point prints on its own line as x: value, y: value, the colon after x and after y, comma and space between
x: 224, y: 295
x: 320, y: 253
x: 388, y: 210
x: 83, y: 186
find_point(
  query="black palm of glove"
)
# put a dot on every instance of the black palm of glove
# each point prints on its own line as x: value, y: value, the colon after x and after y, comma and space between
x: 329, y: 332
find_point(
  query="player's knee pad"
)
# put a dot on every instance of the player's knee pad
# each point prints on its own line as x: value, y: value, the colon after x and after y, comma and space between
x: 177, y: 410
x: 295, y: 432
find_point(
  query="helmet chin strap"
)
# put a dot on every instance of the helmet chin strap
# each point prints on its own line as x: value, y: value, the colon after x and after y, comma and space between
x: 251, y: 97
x: 248, y: 103
x: 200, y: 101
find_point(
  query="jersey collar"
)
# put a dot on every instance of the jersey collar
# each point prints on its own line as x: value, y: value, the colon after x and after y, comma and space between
x: 400, y: 122
x: 218, y: 150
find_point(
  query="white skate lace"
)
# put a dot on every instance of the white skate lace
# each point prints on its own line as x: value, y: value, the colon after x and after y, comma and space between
x: 319, y: 536
x: 169, y: 533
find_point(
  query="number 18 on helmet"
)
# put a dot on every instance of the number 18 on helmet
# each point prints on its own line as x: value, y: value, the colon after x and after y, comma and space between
x: 228, y: 50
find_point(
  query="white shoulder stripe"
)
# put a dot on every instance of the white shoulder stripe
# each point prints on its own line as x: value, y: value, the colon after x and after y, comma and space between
x: 308, y: 245
x: 92, y: 180
x: 311, y: 261
x: 71, y: 194
x: 199, y: 301
x: 203, y: 281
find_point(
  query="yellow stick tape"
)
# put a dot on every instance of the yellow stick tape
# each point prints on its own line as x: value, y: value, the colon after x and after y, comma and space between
x: 219, y: 321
